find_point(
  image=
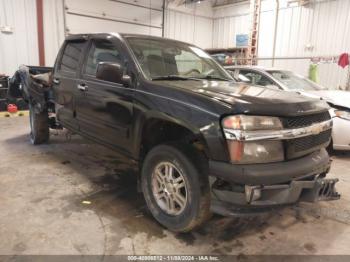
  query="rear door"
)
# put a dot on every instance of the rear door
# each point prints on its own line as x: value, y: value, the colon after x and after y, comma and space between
x: 105, y: 109
x: 65, y: 81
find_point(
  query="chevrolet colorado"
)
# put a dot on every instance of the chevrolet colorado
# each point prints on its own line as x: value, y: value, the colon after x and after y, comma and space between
x: 198, y: 141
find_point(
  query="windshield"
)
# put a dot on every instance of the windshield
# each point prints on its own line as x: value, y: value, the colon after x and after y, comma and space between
x: 294, y: 81
x: 171, y: 60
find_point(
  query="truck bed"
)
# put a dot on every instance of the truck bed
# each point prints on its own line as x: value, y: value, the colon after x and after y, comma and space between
x: 33, y: 84
x: 35, y: 70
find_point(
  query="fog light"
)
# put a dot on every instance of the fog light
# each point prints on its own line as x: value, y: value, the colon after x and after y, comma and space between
x: 264, y: 151
x: 252, y: 193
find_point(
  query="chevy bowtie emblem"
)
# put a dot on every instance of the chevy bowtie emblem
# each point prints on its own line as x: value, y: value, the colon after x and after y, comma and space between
x: 315, y: 130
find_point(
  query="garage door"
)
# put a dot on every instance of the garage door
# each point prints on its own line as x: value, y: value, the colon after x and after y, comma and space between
x: 123, y: 16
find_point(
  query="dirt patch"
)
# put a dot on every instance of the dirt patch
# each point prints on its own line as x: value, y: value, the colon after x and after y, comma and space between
x: 187, y: 238
x: 310, y: 247
x: 120, y: 202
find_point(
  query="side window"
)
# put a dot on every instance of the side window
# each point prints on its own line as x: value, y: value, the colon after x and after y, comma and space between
x: 71, y: 56
x: 239, y: 77
x: 101, y: 51
x: 242, y: 78
x: 256, y: 78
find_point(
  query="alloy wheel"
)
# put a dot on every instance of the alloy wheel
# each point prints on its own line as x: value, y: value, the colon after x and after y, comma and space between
x: 169, y: 188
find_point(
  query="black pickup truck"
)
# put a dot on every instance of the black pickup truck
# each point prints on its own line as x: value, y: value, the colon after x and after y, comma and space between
x: 198, y: 142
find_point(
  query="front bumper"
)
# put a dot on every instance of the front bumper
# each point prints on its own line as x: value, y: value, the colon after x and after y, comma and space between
x: 251, y: 189
x: 272, y: 173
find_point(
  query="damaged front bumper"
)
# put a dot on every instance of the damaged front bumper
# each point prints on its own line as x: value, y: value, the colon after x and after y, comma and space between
x: 247, y: 190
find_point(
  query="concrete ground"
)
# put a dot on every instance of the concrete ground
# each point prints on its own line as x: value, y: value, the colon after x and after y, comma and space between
x: 66, y: 198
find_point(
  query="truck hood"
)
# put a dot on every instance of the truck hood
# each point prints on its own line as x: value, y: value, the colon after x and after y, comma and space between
x: 335, y: 97
x: 250, y: 99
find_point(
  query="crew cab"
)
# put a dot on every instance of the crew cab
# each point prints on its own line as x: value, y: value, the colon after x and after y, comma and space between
x: 198, y: 141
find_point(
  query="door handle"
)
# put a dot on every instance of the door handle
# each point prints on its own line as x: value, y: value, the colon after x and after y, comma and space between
x: 56, y: 81
x: 82, y: 87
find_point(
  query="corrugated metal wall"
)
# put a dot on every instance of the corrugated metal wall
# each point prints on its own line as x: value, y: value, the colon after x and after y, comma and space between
x: 190, y: 23
x: 85, y: 16
x: 189, y: 28
x: 319, y: 29
x: 53, y: 29
x: 20, y: 46
x: 316, y: 30
x: 228, y: 21
x: 126, y: 16
x: 225, y: 30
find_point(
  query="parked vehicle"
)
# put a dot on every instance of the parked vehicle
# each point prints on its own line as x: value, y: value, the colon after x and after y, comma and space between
x: 198, y: 141
x: 338, y: 100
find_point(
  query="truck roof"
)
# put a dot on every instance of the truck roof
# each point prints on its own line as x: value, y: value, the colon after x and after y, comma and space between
x: 120, y: 35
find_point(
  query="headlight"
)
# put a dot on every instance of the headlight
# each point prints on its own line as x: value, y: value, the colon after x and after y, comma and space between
x: 342, y: 114
x: 243, y: 122
x: 260, y: 151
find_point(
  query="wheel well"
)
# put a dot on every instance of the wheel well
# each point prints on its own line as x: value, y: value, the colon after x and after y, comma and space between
x: 157, y: 132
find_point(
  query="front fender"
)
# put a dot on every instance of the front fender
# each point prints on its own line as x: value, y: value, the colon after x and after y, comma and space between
x: 205, y: 128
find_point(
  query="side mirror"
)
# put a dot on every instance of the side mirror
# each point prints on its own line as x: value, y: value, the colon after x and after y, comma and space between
x: 126, y: 80
x: 112, y: 72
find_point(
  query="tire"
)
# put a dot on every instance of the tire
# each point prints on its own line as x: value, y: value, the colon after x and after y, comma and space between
x: 186, y: 214
x: 330, y: 148
x: 39, y: 125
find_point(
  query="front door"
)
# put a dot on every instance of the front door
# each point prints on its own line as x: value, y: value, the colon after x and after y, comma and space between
x: 104, y: 109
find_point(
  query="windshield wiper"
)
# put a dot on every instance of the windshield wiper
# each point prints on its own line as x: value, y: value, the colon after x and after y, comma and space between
x: 210, y: 77
x: 172, y: 77
x: 177, y: 77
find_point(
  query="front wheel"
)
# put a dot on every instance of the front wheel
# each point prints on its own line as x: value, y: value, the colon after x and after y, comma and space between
x: 39, y: 125
x: 176, y: 193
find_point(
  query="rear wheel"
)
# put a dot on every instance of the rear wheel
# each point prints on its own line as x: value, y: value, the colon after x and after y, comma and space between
x: 39, y: 125
x: 176, y: 192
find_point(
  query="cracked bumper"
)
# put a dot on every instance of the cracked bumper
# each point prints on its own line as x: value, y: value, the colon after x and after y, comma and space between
x: 266, y: 186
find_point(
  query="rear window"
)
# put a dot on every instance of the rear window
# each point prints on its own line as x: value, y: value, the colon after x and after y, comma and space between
x: 71, y: 56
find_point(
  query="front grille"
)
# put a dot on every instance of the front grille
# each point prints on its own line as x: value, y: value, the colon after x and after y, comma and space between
x: 304, y: 145
x: 307, y: 120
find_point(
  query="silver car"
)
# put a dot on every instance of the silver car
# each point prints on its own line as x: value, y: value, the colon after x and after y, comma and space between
x: 339, y: 101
